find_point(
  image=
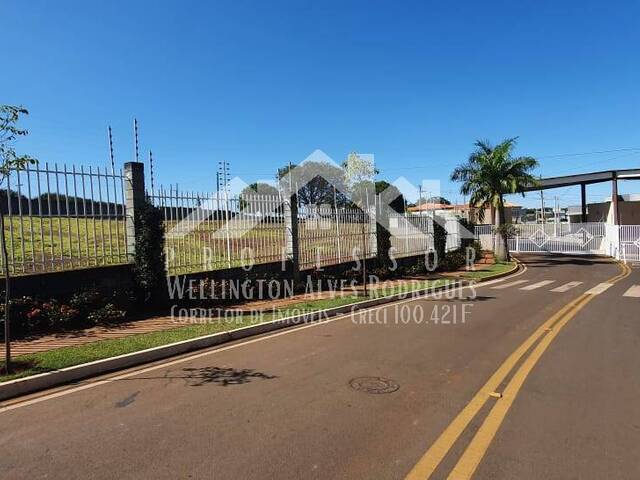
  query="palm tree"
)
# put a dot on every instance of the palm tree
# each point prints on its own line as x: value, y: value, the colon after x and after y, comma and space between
x: 490, y: 174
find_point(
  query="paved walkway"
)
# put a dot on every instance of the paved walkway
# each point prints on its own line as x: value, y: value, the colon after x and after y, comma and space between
x: 94, y: 334
x: 155, y: 324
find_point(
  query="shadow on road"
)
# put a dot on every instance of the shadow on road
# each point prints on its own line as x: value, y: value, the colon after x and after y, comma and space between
x: 551, y: 259
x: 222, y: 376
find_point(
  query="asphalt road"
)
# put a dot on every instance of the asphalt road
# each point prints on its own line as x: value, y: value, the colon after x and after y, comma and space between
x: 284, y: 406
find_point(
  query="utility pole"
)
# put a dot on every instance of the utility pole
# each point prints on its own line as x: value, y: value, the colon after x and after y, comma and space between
x: 542, y: 216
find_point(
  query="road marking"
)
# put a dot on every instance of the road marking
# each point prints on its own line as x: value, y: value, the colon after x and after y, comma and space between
x: 510, y: 284
x: 213, y: 350
x: 476, y: 450
x: 432, y: 458
x: 537, y: 285
x: 566, y: 287
x: 598, y: 289
x: 439, y: 449
x: 633, y: 291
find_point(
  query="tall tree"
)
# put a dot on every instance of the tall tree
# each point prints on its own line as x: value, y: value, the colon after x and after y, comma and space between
x: 10, y: 161
x: 436, y: 199
x: 360, y: 175
x: 491, y: 173
x: 259, y: 188
x: 315, y: 182
x: 389, y: 194
x: 251, y: 195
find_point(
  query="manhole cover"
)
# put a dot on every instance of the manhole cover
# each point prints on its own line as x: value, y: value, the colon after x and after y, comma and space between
x: 374, y: 385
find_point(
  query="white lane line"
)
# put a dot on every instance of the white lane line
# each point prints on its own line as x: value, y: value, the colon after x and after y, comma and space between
x: 634, y: 291
x: 598, y: 289
x: 537, y: 285
x: 510, y: 284
x: 215, y: 350
x: 566, y: 287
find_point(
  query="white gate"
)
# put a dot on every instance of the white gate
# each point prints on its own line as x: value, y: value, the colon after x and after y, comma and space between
x: 560, y: 238
x: 629, y: 240
x: 484, y: 235
x: 618, y: 241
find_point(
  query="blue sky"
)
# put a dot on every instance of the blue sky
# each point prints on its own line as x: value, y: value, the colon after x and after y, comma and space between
x: 259, y: 84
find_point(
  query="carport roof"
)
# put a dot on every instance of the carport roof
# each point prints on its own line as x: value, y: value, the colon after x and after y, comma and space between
x: 586, y: 179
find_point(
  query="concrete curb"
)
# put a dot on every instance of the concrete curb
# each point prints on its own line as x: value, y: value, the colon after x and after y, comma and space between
x: 42, y: 381
x: 516, y: 267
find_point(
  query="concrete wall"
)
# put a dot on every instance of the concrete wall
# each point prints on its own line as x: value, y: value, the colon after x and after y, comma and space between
x: 602, y: 212
x: 54, y: 284
x: 63, y: 284
x: 509, y: 212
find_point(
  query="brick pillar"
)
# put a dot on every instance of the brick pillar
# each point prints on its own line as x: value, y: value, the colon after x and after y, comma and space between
x: 133, y: 198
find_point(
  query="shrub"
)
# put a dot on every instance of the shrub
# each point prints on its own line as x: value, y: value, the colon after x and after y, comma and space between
x: 26, y: 314
x: 506, y: 230
x: 109, y: 313
x: 86, y: 301
x: 478, y: 249
x: 59, y: 314
x: 469, y: 226
x: 149, y: 260
x: 383, y: 272
x: 32, y: 315
x: 439, y: 238
x: 383, y: 240
x: 417, y: 268
x: 454, y: 259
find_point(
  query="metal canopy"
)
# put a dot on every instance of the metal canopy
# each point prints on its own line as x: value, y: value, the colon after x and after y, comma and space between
x: 585, y: 179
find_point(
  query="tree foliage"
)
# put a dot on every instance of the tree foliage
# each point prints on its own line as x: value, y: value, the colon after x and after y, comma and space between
x: 259, y: 188
x: 9, y: 133
x: 149, y: 260
x: 490, y: 174
x: 390, y: 195
x: 439, y: 239
x: 436, y: 199
x: 315, y: 182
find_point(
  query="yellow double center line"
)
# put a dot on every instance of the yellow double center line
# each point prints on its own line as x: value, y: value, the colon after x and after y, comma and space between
x: 475, y: 451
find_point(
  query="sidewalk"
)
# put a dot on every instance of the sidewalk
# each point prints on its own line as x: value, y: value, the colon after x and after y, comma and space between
x: 155, y: 324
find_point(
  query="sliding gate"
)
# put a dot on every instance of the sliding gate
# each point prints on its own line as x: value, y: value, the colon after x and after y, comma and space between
x: 590, y: 238
x: 618, y: 241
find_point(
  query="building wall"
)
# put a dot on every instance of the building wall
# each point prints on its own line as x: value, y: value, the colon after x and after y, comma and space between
x: 509, y: 213
x: 602, y: 212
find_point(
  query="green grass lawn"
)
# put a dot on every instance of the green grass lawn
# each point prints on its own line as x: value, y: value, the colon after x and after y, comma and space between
x: 39, y: 244
x: 44, y: 244
x: 69, y: 356
x: 493, y: 270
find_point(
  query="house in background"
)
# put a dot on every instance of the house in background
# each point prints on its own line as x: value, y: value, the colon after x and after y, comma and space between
x: 628, y: 208
x: 512, y: 212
